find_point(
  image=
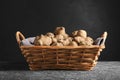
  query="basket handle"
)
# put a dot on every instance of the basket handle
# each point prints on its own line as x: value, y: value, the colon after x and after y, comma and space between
x: 104, y: 36
x: 19, y: 37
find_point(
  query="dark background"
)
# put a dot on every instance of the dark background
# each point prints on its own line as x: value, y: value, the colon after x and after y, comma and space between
x: 33, y: 17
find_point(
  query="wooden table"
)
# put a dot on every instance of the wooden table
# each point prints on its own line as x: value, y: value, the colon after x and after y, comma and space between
x: 104, y: 70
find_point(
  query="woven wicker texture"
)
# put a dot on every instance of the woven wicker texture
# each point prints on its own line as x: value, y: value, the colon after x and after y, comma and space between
x: 60, y: 57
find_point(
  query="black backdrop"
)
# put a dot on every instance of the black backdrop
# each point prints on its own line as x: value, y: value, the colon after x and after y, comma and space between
x: 33, y: 17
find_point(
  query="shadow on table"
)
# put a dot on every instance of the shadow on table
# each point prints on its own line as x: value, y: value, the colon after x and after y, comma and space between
x: 5, y: 66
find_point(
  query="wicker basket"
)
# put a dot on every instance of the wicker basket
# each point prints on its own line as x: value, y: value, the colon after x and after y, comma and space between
x: 60, y: 57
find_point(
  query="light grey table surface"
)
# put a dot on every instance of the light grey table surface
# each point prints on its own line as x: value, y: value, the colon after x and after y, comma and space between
x: 107, y: 70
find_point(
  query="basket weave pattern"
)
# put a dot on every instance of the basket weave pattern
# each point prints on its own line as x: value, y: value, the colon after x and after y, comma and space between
x: 60, y: 57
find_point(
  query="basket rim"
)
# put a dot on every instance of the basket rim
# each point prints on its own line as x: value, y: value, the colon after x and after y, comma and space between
x: 63, y: 47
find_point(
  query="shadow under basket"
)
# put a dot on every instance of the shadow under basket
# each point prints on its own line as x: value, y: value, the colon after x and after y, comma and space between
x: 60, y: 57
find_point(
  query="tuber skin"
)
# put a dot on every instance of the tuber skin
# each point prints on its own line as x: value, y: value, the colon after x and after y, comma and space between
x: 66, y: 42
x: 61, y: 31
x: 57, y: 44
x: 61, y: 38
x: 43, y: 40
x: 73, y: 43
x: 89, y: 41
x: 79, y: 39
x: 82, y: 33
x: 46, y: 41
x: 50, y: 34
x: 36, y: 41
x: 54, y: 40
x: 74, y: 33
x: 80, y: 36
